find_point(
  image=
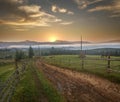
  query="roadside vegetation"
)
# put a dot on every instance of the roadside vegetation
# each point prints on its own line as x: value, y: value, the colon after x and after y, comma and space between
x: 97, y: 67
x: 34, y: 86
x: 52, y: 94
x: 25, y: 91
x: 6, y: 70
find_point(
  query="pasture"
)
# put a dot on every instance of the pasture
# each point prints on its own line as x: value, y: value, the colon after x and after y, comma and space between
x: 31, y: 86
x: 93, y: 64
x: 6, y: 69
x: 42, y: 81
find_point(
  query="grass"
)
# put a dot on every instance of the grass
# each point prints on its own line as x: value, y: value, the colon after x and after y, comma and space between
x: 97, y: 67
x: 6, y: 61
x: 27, y: 91
x: 6, y: 71
x: 52, y: 94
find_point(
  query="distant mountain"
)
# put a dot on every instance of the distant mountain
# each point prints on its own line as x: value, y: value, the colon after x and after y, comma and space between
x: 57, y: 42
x: 112, y: 41
x: 70, y: 42
x: 61, y: 41
x: 6, y: 44
x: 27, y: 42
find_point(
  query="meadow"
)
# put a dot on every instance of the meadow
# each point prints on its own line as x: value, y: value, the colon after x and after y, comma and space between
x: 93, y: 64
x: 7, y: 67
x: 35, y: 85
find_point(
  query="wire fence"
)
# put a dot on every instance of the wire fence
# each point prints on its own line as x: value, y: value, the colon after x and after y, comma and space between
x: 8, y: 87
x: 109, y: 64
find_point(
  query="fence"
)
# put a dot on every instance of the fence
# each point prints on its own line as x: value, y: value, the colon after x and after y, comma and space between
x: 108, y: 65
x: 7, y: 88
x: 90, y: 63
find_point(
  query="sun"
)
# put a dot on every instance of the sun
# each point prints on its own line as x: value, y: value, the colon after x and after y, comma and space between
x: 53, y: 39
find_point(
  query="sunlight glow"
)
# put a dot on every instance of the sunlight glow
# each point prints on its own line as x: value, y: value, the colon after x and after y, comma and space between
x: 53, y: 39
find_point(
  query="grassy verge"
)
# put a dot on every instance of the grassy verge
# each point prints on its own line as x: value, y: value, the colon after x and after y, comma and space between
x: 6, y: 62
x: 52, y: 94
x: 26, y: 90
x: 97, y: 67
x: 6, y: 71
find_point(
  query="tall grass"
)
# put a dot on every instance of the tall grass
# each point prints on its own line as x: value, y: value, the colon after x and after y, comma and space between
x: 27, y: 91
x: 97, y: 67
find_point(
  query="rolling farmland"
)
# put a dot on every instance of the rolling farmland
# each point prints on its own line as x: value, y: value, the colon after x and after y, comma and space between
x: 92, y: 64
x: 61, y: 78
x: 59, y: 50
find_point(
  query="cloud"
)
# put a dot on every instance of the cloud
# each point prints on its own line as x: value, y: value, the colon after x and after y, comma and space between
x: 66, y: 23
x: 54, y: 8
x: 82, y: 4
x: 17, y: 13
x: 13, y: 1
x: 17, y: 1
x: 21, y: 29
x: 61, y: 10
x: 114, y: 8
x: 101, y: 8
x: 114, y: 15
x: 30, y: 9
x: 71, y: 13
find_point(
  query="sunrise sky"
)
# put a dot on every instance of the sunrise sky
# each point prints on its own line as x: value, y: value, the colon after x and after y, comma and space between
x: 50, y: 20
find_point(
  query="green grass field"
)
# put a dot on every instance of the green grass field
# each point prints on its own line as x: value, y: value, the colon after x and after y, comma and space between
x: 34, y: 86
x: 97, y: 67
x: 6, y: 71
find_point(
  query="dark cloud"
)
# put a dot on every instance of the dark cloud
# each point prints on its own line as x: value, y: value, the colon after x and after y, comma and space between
x: 16, y: 12
x: 8, y: 7
x: 113, y: 7
x: 82, y: 4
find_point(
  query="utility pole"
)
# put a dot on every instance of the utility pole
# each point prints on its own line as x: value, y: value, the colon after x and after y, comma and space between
x: 39, y: 51
x: 108, y: 63
x: 82, y: 55
x: 81, y: 44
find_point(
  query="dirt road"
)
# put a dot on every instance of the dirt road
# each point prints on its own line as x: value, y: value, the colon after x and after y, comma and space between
x: 80, y: 87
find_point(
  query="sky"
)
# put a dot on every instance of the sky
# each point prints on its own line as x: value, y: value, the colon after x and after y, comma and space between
x: 50, y: 20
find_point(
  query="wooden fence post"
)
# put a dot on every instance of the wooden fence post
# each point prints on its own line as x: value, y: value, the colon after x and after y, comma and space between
x: 16, y: 64
x: 69, y: 61
x: 108, y: 63
x: 82, y: 62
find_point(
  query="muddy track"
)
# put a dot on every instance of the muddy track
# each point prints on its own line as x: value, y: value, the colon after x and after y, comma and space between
x: 80, y: 87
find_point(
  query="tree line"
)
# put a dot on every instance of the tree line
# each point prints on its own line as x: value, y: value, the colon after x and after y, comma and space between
x: 21, y: 55
x: 102, y: 51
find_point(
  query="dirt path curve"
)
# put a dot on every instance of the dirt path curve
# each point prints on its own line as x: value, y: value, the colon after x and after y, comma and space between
x: 80, y: 87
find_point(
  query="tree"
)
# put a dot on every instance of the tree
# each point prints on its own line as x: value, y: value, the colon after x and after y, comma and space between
x: 31, y: 52
x: 19, y: 55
